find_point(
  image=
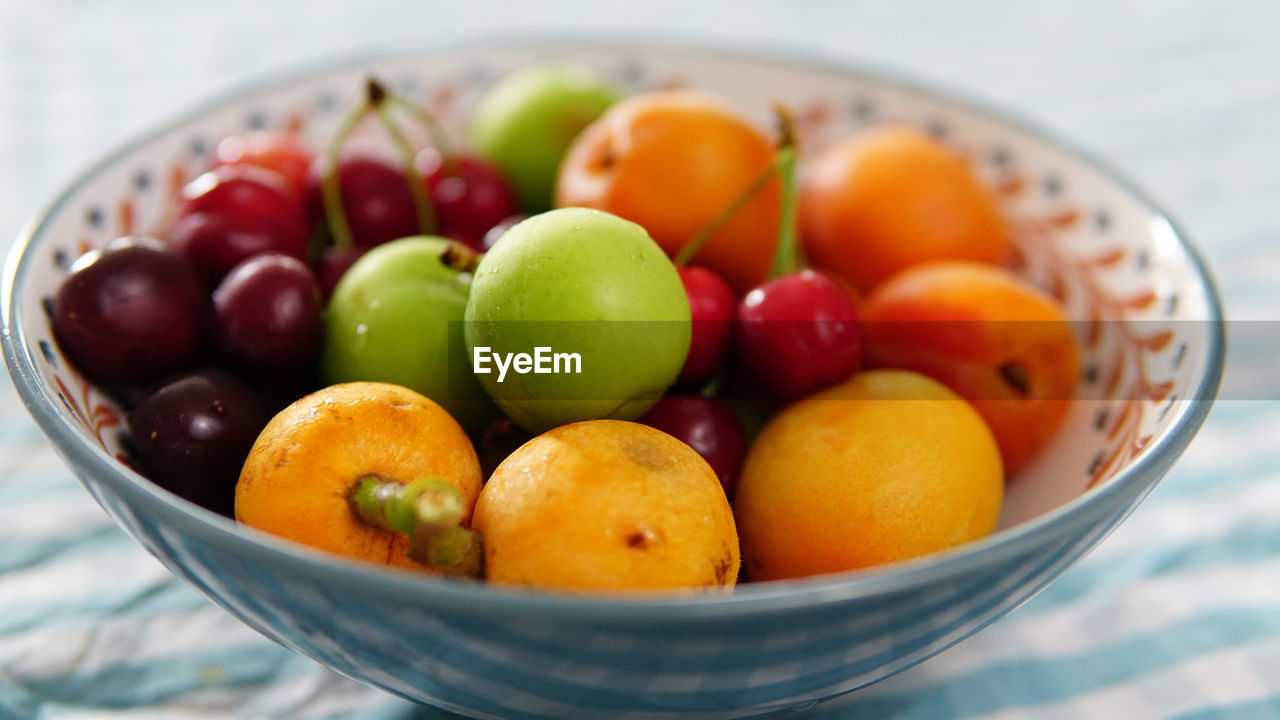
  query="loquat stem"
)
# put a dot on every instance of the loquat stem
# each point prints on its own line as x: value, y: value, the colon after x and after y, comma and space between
x: 430, y: 511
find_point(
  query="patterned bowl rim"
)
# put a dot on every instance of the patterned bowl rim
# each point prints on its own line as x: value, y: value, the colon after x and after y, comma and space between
x: 1131, y: 482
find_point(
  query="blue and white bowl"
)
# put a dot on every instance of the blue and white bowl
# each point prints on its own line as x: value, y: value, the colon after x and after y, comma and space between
x: 1153, y: 351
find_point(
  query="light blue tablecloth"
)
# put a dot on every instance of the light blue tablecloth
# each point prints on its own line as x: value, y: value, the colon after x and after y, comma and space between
x: 1177, y: 614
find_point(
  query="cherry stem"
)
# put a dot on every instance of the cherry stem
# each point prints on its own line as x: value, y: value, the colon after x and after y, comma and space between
x: 430, y: 511
x: 334, y: 211
x: 695, y: 243
x: 782, y: 165
x: 429, y: 122
x: 417, y: 185
x: 788, y: 256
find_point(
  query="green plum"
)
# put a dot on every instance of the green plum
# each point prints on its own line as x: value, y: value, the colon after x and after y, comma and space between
x: 396, y: 316
x: 526, y: 122
x: 595, y: 308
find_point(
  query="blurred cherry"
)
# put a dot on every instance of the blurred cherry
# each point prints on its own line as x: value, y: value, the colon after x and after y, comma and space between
x: 706, y: 425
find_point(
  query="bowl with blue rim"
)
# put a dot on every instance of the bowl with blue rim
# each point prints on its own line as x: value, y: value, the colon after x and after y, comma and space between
x: 766, y: 647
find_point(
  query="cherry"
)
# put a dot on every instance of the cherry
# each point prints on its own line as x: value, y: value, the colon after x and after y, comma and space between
x: 130, y: 314
x: 706, y: 425
x: 276, y: 151
x: 267, y: 316
x: 496, y: 232
x: 214, y: 244
x: 234, y: 212
x: 711, y: 305
x: 378, y: 203
x: 244, y: 192
x: 366, y: 202
x: 334, y: 263
x: 191, y: 436
x: 470, y: 195
x: 799, y: 331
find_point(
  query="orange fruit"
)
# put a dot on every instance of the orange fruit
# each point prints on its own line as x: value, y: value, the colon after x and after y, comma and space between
x: 301, y: 470
x: 887, y: 466
x: 607, y: 505
x: 891, y: 197
x: 672, y: 161
x: 1000, y: 342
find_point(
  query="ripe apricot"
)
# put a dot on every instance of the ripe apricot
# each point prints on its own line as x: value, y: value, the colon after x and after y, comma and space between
x: 995, y: 339
x: 891, y: 197
x: 888, y: 465
x: 672, y: 161
x: 607, y: 505
x: 306, y: 463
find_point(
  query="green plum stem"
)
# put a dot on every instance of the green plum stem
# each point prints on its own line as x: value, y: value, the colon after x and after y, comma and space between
x: 334, y: 211
x: 430, y: 511
x: 695, y: 243
x: 417, y: 185
x: 460, y: 257
x: 788, y: 255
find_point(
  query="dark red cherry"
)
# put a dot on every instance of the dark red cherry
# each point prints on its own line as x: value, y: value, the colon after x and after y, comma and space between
x: 131, y: 314
x: 192, y: 434
x: 706, y: 425
x: 267, y: 316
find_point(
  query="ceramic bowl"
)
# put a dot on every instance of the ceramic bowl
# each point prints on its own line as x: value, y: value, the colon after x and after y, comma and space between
x: 1153, y: 350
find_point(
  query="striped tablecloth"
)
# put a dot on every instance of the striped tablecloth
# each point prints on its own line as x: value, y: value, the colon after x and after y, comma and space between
x: 1176, y: 615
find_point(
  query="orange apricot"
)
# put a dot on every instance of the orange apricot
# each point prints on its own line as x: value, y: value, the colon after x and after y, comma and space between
x: 887, y: 466
x: 306, y: 464
x: 607, y: 505
x: 891, y: 197
x: 278, y: 151
x: 672, y: 161
x: 998, y: 341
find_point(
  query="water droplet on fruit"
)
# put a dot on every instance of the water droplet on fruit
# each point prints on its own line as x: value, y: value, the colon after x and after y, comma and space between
x: 219, y: 408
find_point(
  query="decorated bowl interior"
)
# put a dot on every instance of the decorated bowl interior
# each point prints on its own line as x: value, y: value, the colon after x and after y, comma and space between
x: 1145, y: 311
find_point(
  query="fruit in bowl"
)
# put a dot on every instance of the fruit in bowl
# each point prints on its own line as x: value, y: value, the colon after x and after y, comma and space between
x: 389, y: 627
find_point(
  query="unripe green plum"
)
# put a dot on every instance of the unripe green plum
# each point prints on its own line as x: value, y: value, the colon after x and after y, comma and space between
x: 396, y: 317
x: 584, y: 282
x: 527, y: 121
